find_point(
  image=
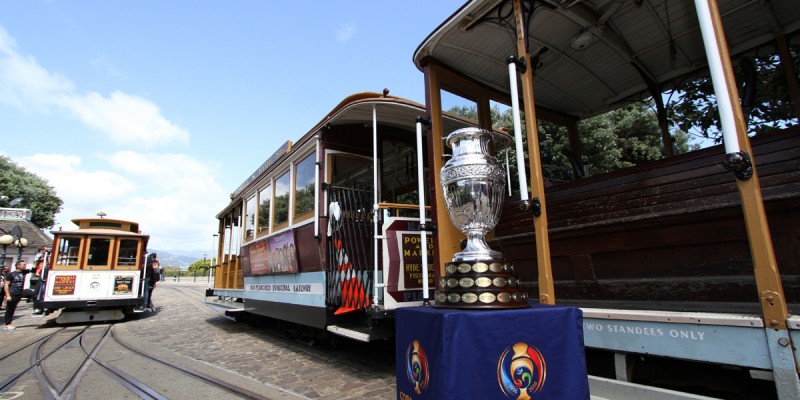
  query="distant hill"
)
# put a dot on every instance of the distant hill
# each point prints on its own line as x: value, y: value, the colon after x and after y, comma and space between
x: 180, y: 258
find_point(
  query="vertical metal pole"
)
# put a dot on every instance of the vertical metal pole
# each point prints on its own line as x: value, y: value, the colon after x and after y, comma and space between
x: 523, y: 180
x: 715, y: 66
x: 767, y: 276
x: 546, y: 287
x: 143, y: 280
x: 42, y: 275
x: 422, y: 228
x: 375, y: 209
x: 317, y: 189
x: 508, y: 175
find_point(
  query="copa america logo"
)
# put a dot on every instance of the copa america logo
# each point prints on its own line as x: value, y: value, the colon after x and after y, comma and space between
x: 521, y: 371
x: 417, y: 367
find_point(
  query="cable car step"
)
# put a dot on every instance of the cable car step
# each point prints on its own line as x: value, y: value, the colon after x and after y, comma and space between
x: 362, y: 334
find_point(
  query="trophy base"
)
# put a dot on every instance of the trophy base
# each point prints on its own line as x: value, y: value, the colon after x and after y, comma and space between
x: 481, y: 284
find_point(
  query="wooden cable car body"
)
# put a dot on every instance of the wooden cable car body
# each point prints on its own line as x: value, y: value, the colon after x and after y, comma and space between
x: 325, y: 236
x: 96, y: 271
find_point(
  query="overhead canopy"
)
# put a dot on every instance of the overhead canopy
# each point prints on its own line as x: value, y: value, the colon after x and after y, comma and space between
x: 594, y: 54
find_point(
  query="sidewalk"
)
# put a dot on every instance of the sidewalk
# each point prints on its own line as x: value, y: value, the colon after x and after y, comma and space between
x: 187, y: 281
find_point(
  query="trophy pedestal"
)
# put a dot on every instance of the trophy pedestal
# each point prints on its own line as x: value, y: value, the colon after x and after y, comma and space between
x: 480, y: 284
x: 531, y: 353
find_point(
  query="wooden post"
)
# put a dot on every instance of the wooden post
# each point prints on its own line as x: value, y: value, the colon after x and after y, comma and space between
x: 768, y: 280
x: 448, y: 237
x: 546, y: 287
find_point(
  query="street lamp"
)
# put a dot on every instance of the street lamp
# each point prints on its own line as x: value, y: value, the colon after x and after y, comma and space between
x: 19, y: 241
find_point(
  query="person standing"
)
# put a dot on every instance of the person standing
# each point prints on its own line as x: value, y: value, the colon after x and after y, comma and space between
x: 13, y: 284
x: 3, y: 273
x: 36, y: 280
x: 150, y: 271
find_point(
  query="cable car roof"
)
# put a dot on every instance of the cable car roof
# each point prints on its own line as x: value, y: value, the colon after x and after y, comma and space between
x: 103, y: 226
x: 592, y: 55
x: 392, y: 111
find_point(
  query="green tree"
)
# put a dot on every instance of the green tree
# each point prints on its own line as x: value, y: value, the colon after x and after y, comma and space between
x: 618, y: 139
x: 170, y: 270
x: 625, y: 137
x: 37, y: 195
x: 694, y: 108
x: 201, y: 266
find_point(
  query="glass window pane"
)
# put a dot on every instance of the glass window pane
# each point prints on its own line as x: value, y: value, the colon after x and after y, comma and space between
x: 304, y: 186
x: 250, y: 218
x: 282, y: 187
x: 400, y: 177
x: 128, y: 249
x: 265, y: 197
x: 68, y: 248
x: 351, y: 171
x: 98, y: 251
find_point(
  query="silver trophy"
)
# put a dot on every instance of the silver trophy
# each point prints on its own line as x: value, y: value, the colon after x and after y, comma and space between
x: 474, y: 182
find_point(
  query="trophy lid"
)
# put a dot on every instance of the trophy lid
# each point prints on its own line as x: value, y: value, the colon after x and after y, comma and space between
x: 500, y: 140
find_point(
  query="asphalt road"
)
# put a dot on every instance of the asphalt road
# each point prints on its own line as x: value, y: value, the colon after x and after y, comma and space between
x: 184, y: 331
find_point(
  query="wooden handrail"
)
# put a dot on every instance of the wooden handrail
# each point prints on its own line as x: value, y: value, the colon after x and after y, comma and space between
x: 401, y: 206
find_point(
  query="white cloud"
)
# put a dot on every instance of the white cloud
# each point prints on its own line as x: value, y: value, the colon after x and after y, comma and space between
x: 25, y: 85
x: 123, y: 118
x: 345, y: 32
x: 72, y: 182
x: 172, y: 196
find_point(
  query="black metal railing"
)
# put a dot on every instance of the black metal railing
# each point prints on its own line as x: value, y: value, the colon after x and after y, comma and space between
x: 349, y: 270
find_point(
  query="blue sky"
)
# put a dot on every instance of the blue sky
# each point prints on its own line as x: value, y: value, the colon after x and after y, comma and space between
x: 155, y: 111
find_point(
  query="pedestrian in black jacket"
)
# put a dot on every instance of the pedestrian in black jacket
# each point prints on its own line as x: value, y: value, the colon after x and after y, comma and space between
x: 150, y: 268
x: 13, y: 284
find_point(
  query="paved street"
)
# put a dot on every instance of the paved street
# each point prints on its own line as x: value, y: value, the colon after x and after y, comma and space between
x: 186, y: 331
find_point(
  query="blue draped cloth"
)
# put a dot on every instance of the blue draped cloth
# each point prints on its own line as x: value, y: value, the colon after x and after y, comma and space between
x: 534, y: 353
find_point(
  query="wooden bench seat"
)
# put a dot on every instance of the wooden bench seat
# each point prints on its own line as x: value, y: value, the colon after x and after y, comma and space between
x: 640, y: 233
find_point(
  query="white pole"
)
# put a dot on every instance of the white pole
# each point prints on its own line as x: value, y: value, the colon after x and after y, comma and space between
x: 316, y: 191
x: 422, y: 232
x: 523, y: 180
x: 375, y: 188
x: 508, y: 175
x: 724, y: 100
x: 211, y: 259
x: 143, y: 281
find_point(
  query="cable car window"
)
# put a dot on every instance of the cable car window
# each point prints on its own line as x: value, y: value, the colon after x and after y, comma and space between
x: 99, y: 251
x: 250, y: 219
x: 127, y: 253
x: 282, y: 190
x: 67, y: 253
x: 350, y: 171
x: 400, y: 177
x: 304, y: 186
x: 264, y: 198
